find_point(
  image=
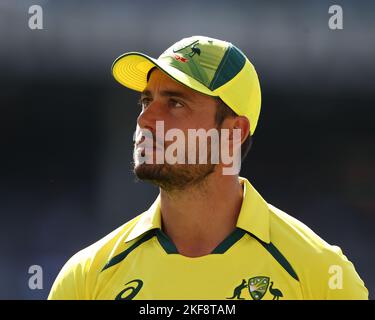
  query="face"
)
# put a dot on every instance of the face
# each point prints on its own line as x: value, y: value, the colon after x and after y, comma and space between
x: 178, y: 107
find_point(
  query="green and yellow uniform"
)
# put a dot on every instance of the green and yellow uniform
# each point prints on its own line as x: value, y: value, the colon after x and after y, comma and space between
x: 270, y: 255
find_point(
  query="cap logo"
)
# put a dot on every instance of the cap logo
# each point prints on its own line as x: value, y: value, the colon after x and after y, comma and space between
x: 194, y: 49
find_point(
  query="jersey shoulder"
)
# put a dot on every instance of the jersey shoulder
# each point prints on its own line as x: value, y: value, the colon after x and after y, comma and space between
x: 79, y: 274
x: 323, y: 270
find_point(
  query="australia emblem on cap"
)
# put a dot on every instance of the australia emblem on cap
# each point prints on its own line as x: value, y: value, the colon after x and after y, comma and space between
x: 182, y: 51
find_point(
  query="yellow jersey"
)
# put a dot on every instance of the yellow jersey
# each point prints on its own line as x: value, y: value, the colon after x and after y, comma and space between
x: 269, y: 256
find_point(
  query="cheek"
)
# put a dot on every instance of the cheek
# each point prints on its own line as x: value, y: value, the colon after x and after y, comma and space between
x: 184, y: 120
x: 197, y: 120
x: 175, y: 122
x: 203, y: 121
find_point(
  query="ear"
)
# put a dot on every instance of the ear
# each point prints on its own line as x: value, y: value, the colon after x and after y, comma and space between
x: 241, y: 122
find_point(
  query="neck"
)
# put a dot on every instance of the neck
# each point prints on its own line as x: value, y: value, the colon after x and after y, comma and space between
x: 200, y: 217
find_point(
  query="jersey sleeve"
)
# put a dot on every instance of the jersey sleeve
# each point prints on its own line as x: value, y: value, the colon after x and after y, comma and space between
x: 351, y: 287
x: 78, y: 279
x: 337, y: 279
x: 70, y: 283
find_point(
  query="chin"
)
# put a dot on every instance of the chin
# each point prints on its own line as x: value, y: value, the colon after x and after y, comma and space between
x: 173, y: 177
x: 146, y: 171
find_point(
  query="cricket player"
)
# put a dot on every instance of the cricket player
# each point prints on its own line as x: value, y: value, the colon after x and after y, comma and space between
x: 209, y: 234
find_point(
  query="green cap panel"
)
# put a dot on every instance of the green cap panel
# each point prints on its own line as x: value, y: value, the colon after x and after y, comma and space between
x: 210, y: 61
x: 231, y: 64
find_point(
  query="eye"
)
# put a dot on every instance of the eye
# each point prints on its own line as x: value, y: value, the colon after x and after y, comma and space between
x: 144, y: 102
x: 175, y: 104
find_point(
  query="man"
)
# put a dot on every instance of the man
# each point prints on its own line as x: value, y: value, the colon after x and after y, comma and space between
x: 209, y: 234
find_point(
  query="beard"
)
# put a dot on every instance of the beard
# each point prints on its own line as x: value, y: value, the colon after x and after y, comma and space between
x: 173, y: 177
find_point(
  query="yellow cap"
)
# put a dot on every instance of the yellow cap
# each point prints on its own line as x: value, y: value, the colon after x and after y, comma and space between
x: 213, y: 67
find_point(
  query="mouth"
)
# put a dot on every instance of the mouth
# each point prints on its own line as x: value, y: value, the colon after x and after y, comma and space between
x: 143, y: 150
x: 148, y: 145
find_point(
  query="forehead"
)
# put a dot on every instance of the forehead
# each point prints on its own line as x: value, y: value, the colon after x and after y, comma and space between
x: 158, y: 80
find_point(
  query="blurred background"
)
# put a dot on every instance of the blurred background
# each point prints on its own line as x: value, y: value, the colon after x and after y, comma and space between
x: 66, y: 126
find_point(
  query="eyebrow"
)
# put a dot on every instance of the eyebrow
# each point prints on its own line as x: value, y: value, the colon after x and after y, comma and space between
x: 168, y: 93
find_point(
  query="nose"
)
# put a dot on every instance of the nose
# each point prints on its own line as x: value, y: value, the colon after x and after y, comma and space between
x: 148, y: 117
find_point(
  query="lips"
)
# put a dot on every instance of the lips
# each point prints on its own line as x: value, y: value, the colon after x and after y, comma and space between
x: 148, y: 144
x: 148, y: 147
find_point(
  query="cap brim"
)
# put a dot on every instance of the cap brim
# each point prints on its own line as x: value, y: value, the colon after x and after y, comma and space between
x: 131, y: 69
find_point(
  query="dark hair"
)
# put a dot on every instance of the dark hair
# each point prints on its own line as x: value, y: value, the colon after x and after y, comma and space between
x: 223, y: 112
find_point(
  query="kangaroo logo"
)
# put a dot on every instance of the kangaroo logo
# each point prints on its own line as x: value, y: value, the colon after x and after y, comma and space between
x: 257, y: 287
x: 182, y: 56
x: 194, y: 50
x: 237, y: 290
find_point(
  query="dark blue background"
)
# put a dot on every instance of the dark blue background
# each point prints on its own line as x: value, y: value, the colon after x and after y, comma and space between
x: 66, y: 126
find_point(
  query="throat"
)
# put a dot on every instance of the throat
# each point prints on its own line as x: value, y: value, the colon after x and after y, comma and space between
x: 195, y: 249
x: 197, y: 222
